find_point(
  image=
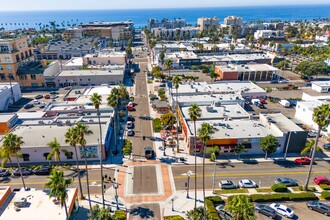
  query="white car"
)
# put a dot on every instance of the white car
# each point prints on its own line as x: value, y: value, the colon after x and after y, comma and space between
x: 282, y: 210
x: 130, y: 132
x: 245, y: 183
x: 130, y: 124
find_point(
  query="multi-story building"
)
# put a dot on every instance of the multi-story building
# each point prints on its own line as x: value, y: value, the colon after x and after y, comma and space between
x: 15, y: 53
x: 206, y: 23
x: 9, y: 94
x: 175, y: 33
x: 268, y: 34
x: 105, y: 58
x: 233, y: 21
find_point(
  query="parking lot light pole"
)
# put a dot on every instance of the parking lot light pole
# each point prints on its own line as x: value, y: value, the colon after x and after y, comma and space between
x: 115, y: 186
x: 172, y: 205
x: 188, y: 182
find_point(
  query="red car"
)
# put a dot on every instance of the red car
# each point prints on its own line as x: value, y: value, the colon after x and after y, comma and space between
x: 303, y: 161
x: 321, y: 180
x: 47, y: 96
x: 130, y: 108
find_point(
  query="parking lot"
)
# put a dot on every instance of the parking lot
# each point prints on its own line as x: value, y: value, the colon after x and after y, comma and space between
x: 301, y: 212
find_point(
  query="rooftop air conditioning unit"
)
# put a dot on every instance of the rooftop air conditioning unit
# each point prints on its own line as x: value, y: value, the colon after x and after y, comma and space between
x: 209, y: 108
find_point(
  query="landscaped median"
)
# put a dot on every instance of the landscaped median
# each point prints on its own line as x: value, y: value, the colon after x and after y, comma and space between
x: 211, y: 202
x: 229, y: 191
x: 283, y: 197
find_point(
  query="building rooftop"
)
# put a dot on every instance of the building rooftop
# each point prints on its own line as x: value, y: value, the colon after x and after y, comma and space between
x: 101, y: 90
x: 321, y: 83
x: 6, y: 117
x: 86, y: 43
x: 246, y: 67
x: 4, y: 86
x: 106, y: 54
x: 77, y: 73
x: 39, y: 205
x: 235, y: 57
x: 74, y: 62
x: 282, y: 122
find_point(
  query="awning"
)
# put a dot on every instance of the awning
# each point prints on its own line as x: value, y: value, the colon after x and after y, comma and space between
x: 173, y: 131
x: 163, y: 131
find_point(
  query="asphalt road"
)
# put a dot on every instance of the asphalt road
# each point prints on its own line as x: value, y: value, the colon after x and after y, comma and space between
x: 145, y: 211
x: 264, y: 173
x: 144, y: 180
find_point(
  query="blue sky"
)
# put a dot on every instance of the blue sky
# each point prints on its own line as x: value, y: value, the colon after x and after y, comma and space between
x: 22, y: 5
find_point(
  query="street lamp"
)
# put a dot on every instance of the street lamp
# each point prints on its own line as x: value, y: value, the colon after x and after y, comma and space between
x: 164, y: 153
x: 188, y: 181
x: 115, y: 186
x: 172, y: 205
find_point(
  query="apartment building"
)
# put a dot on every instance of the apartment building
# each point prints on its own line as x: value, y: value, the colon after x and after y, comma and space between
x: 233, y: 21
x: 15, y: 53
x: 206, y: 23
x: 175, y: 33
x: 166, y: 23
x: 268, y: 34
x: 9, y: 94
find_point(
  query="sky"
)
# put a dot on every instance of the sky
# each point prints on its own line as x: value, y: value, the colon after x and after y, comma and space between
x: 27, y: 5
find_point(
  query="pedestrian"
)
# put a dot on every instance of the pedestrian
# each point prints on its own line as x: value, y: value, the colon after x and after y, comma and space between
x: 106, y: 176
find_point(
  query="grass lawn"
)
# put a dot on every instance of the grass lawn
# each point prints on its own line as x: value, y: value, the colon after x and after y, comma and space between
x: 156, y: 125
x: 264, y: 190
x: 225, y: 191
x: 300, y: 188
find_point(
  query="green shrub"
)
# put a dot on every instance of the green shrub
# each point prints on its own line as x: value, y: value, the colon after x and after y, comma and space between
x: 119, y: 215
x: 157, y: 126
x: 127, y: 149
x: 324, y: 186
x: 211, y: 212
x: 325, y: 195
x: 282, y: 197
x: 279, y: 187
x: 215, y: 199
x: 174, y: 217
x: 149, y: 80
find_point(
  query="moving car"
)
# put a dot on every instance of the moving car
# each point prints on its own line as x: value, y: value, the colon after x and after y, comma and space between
x: 319, y: 207
x: 224, y: 214
x: 321, y: 180
x: 42, y: 171
x: 227, y: 184
x: 28, y: 106
x: 326, y: 146
x: 266, y: 210
x: 286, y: 181
x: 39, y: 96
x: 282, y: 210
x: 130, y: 132
x: 245, y: 183
x: 130, y: 125
x: 25, y: 172
x: 303, y: 161
x: 148, y: 152
x: 4, y: 173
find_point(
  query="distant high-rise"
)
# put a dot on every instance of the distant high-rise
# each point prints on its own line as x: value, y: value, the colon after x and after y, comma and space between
x: 207, y: 23
x: 233, y: 21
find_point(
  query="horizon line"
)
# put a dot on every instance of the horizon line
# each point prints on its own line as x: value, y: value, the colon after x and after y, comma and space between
x: 193, y: 7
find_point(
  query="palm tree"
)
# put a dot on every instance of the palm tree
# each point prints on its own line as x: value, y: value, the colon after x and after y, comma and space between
x: 97, y: 100
x: 176, y: 84
x: 71, y: 137
x: 241, y: 207
x: 214, y: 151
x: 321, y: 118
x: 240, y: 148
x: 168, y: 64
x: 58, y: 188
x: 55, y: 152
x: 204, y: 134
x: 195, y: 112
x: 309, y: 148
x: 5, y: 157
x: 11, y: 147
x: 196, y: 213
x: 113, y: 102
x: 83, y: 130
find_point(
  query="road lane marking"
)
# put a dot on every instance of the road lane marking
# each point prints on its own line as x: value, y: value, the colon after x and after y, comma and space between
x: 43, y: 183
x: 258, y: 174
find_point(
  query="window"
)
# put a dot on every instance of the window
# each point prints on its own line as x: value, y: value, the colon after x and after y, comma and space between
x: 11, y: 76
x: 7, y: 59
x: 2, y: 76
x: 22, y: 77
x: 9, y: 68
x: 33, y: 77
x: 26, y: 157
x: 46, y: 155
x: 4, y: 48
x: 69, y: 155
x: 1, y: 67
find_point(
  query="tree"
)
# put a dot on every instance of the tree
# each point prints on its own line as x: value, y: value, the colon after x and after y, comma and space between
x: 240, y: 148
x: 194, y: 113
x: 83, y: 130
x: 269, y: 144
x: 214, y: 151
x: 308, y: 149
x: 58, y: 188
x: 11, y: 146
x: 204, y: 135
x: 232, y: 47
x: 71, y: 137
x: 321, y: 117
x: 195, y: 214
x: 168, y: 65
x: 176, y: 84
x: 162, y: 56
x: 100, y: 213
x: 241, y: 207
x: 113, y: 102
x: 128, y: 51
x: 167, y: 119
x: 314, y: 67
x: 97, y: 101
x: 55, y: 152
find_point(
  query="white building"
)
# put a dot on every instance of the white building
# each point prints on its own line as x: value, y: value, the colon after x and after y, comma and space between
x: 9, y: 93
x: 174, y: 33
x: 321, y: 86
x: 233, y: 21
x: 266, y: 34
x: 105, y: 57
x: 206, y: 23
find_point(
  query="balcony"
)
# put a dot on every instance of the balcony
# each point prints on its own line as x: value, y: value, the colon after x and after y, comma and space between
x: 32, y: 67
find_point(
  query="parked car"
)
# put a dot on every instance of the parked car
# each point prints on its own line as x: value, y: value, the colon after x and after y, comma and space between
x: 321, y: 180
x: 54, y: 93
x: 224, y: 214
x: 286, y: 181
x: 312, y: 134
x: 162, y: 85
x: 130, y: 125
x: 319, y: 207
x: 282, y: 210
x: 25, y: 172
x: 148, y: 152
x: 245, y: 183
x: 45, y: 170
x: 36, y: 102
x: 130, y: 108
x: 326, y: 146
x: 227, y: 184
x: 47, y: 96
x: 42, y: 104
x: 266, y: 210
x: 283, y: 81
x: 4, y: 173
x: 53, y: 96
x: 28, y: 106
x: 130, y: 132
x: 308, y: 84
x: 303, y: 161
x: 130, y: 118
x: 39, y: 96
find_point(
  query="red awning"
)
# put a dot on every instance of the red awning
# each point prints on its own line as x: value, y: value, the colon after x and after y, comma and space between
x: 173, y: 131
x: 163, y: 131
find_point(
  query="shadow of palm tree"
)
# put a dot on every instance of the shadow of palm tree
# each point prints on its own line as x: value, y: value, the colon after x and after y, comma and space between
x: 142, y: 212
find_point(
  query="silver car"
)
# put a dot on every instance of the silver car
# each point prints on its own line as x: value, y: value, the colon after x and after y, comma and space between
x: 245, y: 183
x: 227, y: 184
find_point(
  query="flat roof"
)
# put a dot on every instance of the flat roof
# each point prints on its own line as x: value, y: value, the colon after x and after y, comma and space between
x: 283, y: 122
x: 39, y: 205
x: 106, y: 54
x: 30, y: 115
x: 246, y: 67
x: 321, y: 83
x: 101, y: 90
x: 5, y: 117
x: 236, y: 57
x: 232, y: 129
x: 213, y: 112
x: 65, y: 73
x: 75, y: 61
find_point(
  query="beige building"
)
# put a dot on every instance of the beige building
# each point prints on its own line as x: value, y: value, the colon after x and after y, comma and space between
x: 206, y: 23
x: 233, y: 21
x: 105, y: 58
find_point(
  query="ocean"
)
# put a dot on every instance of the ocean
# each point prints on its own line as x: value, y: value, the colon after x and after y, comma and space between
x: 25, y: 19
